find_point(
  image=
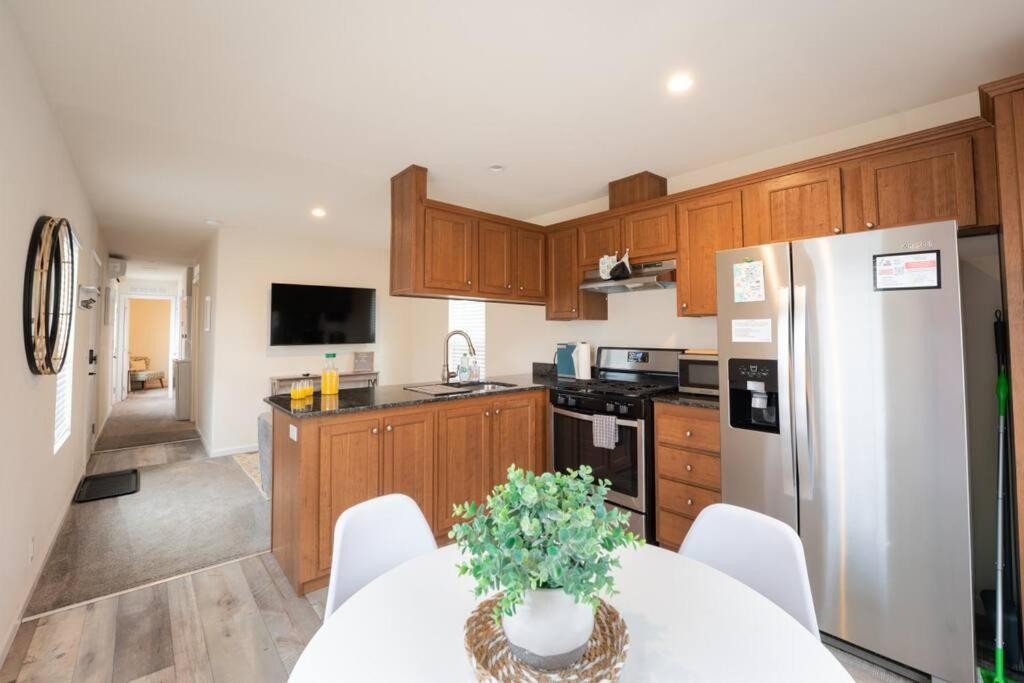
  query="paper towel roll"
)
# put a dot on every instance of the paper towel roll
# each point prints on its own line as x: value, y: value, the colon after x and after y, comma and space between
x: 582, y: 360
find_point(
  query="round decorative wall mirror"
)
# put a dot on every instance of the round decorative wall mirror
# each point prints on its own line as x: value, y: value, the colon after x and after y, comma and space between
x: 49, y: 295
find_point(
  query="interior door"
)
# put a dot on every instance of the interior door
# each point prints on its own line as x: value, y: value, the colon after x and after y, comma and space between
x: 882, y: 445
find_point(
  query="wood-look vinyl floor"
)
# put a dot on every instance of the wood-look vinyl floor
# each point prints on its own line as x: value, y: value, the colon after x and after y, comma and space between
x: 240, y: 621
x: 237, y: 622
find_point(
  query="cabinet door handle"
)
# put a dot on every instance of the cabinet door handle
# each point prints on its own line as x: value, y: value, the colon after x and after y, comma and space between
x: 521, y: 288
x: 469, y: 282
x: 837, y: 230
x: 375, y: 431
x: 689, y: 468
x: 682, y: 306
x: 869, y: 225
x: 508, y: 286
x: 574, y: 310
x: 388, y: 428
x: 487, y: 413
x: 688, y: 433
x: 689, y: 501
x: 497, y: 411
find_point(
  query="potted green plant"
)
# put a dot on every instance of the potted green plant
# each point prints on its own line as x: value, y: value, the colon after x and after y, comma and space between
x: 548, y: 542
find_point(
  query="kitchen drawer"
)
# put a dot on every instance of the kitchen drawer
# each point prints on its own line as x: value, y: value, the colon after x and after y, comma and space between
x: 687, y: 427
x: 683, y: 498
x: 671, y: 529
x: 691, y: 467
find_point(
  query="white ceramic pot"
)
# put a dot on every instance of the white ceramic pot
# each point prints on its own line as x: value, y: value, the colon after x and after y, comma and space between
x: 549, y: 631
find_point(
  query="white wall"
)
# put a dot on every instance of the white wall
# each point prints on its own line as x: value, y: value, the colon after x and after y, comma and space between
x: 36, y: 177
x: 519, y: 335
x: 247, y: 264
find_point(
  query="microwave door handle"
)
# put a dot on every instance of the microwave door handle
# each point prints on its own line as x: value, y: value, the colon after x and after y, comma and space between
x: 805, y: 458
x: 785, y: 417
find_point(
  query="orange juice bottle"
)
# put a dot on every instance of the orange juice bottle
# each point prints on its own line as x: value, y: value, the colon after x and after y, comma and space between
x: 329, y: 377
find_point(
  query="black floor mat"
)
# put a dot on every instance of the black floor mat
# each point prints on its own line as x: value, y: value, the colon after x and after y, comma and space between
x: 109, y: 485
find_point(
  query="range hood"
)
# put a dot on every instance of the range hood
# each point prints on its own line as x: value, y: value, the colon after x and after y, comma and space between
x: 654, y: 275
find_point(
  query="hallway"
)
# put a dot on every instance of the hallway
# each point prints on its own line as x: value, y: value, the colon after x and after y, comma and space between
x: 145, y: 417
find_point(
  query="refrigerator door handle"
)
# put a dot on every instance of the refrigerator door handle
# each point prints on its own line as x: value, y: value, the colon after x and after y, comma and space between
x: 783, y: 331
x: 801, y: 424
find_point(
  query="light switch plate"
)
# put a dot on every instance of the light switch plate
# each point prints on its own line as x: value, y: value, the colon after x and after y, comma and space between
x: 293, y: 432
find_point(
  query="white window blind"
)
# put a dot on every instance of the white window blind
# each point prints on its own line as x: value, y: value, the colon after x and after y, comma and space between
x: 470, y: 317
x: 62, y: 413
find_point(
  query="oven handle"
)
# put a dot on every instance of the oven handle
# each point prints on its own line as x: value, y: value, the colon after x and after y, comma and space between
x: 590, y: 418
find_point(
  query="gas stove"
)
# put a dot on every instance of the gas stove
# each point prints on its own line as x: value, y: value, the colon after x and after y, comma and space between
x: 617, y: 399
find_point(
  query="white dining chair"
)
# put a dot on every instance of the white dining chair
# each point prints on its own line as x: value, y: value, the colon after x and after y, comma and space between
x: 372, y: 537
x: 757, y: 550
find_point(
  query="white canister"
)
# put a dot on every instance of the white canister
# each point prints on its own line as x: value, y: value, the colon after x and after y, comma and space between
x: 581, y: 359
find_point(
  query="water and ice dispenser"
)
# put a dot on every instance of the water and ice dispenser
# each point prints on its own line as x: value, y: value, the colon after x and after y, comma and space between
x: 754, y: 394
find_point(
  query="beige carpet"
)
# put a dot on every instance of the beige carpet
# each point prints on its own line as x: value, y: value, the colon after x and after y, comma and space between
x: 187, y: 515
x: 145, y: 417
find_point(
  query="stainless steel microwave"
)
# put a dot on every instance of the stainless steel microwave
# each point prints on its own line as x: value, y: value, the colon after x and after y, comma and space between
x: 698, y: 373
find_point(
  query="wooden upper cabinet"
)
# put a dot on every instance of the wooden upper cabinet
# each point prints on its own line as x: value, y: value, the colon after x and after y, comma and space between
x: 515, y: 436
x: 929, y: 182
x: 563, y: 274
x: 407, y: 465
x: 598, y: 239
x: 496, y: 257
x: 529, y: 263
x: 449, y: 242
x: 650, y: 233
x: 463, y: 459
x: 794, y: 206
x: 706, y: 225
x: 349, y: 474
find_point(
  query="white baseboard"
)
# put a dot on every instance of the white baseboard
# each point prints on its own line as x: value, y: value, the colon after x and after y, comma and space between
x: 233, y: 450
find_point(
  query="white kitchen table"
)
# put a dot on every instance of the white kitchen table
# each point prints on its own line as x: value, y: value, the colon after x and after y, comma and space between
x: 687, y: 622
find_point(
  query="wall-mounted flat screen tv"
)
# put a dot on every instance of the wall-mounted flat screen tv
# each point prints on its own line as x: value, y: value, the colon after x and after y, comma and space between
x: 313, y: 314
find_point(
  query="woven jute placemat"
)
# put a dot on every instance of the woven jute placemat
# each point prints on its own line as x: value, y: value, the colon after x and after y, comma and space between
x: 492, y: 659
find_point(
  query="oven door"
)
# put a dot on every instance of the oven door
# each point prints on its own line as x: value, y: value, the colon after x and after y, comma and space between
x: 698, y: 374
x: 625, y: 465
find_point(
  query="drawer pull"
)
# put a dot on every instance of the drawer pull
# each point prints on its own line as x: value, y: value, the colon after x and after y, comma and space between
x: 388, y: 428
x: 689, y: 468
x: 689, y: 501
x: 689, y: 433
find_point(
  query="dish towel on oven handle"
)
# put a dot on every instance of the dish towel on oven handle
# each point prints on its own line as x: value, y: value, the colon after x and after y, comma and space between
x: 606, y: 431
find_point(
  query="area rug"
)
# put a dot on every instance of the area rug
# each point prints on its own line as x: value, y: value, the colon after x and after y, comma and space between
x: 145, y: 417
x: 186, y: 516
x: 250, y: 464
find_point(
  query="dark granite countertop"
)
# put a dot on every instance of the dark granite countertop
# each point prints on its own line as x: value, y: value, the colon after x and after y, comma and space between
x: 692, y: 400
x: 395, y: 396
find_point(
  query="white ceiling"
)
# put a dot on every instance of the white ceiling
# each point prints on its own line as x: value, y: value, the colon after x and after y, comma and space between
x: 150, y: 270
x: 253, y: 111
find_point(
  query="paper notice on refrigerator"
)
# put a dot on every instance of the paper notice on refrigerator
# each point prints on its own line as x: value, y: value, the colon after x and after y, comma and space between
x: 748, y: 281
x: 909, y: 270
x: 758, y: 330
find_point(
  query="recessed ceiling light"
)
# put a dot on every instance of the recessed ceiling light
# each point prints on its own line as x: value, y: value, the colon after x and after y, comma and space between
x: 318, y: 212
x: 679, y: 83
x: 495, y: 168
x: 212, y: 221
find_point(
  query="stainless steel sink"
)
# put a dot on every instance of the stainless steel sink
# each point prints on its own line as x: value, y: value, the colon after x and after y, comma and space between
x: 457, y: 388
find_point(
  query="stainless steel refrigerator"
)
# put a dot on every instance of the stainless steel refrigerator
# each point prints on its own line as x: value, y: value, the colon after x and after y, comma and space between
x: 843, y: 415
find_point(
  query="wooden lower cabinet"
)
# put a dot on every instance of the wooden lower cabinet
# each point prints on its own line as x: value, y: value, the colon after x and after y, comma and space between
x: 463, y: 454
x: 689, y: 473
x: 438, y: 454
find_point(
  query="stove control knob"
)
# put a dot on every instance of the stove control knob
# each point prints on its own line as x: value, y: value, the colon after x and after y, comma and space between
x: 609, y: 407
x: 623, y: 409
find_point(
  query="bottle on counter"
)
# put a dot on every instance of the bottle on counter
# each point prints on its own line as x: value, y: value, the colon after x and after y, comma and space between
x: 329, y: 376
x: 474, y: 369
x: 464, y: 368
